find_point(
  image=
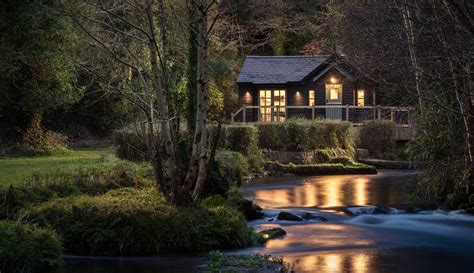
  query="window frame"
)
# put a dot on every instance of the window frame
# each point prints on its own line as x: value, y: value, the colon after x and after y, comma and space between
x: 331, y: 86
x: 275, y: 113
x: 360, y: 100
x: 311, y: 97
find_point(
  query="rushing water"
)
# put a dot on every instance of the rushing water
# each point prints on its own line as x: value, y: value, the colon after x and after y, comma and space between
x: 371, y: 240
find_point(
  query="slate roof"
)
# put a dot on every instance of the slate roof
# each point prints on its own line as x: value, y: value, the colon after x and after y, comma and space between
x: 278, y: 69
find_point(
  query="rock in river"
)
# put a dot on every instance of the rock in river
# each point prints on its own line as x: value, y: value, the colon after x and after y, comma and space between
x: 288, y: 216
x: 272, y: 233
x: 309, y: 216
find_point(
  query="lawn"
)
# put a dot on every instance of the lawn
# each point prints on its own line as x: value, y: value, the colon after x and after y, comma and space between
x: 14, y: 170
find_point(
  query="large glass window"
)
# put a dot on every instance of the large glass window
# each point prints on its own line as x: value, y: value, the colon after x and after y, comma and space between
x: 275, y: 98
x: 312, y: 98
x: 279, y: 101
x: 360, y: 98
x: 265, y: 105
x: 333, y: 93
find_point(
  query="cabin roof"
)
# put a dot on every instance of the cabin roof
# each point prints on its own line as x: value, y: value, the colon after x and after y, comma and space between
x: 279, y: 69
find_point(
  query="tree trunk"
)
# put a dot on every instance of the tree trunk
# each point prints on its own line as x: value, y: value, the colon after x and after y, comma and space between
x: 408, y: 25
x: 164, y: 129
x: 198, y: 168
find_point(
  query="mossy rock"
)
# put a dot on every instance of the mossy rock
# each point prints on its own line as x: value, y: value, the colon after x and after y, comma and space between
x: 272, y: 233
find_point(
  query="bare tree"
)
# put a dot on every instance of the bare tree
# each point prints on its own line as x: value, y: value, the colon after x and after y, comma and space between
x: 136, y: 35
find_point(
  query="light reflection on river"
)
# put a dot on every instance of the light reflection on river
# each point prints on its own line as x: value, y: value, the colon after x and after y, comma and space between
x: 425, y: 242
x: 329, y: 191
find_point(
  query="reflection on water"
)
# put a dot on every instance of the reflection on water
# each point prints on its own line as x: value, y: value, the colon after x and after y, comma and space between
x: 330, y: 191
x: 426, y: 242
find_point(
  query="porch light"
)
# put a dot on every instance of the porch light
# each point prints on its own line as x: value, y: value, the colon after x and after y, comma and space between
x: 333, y: 80
x: 247, y: 98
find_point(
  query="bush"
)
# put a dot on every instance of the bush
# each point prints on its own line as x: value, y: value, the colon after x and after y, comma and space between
x: 25, y: 248
x: 139, y: 222
x: 129, y: 144
x: 92, y: 181
x: 234, y: 200
x: 240, y: 138
x: 233, y: 165
x: 272, y: 136
x: 37, y: 140
x: 305, y: 135
x: 378, y: 137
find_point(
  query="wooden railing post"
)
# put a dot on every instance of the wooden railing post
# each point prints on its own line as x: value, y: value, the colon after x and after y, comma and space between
x: 312, y: 112
x: 245, y: 115
x: 347, y: 112
x: 392, y: 115
x: 379, y: 113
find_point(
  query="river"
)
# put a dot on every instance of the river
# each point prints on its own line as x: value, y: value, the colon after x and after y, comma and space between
x: 392, y: 239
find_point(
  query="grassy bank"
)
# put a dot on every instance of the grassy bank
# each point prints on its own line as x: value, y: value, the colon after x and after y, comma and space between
x: 15, y: 169
x: 321, y: 169
x: 139, y: 222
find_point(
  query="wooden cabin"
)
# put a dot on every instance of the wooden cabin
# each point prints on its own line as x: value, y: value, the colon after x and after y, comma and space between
x: 274, y: 88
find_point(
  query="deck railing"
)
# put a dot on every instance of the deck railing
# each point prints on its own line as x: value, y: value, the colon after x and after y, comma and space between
x: 355, y: 114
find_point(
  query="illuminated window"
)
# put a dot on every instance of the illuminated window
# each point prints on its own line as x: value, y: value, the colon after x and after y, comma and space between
x: 360, y: 98
x: 265, y: 105
x: 279, y: 101
x: 334, y: 93
x: 275, y: 98
x: 312, y: 98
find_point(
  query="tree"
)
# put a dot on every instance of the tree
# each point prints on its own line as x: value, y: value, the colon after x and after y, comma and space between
x: 36, y: 74
x: 137, y: 36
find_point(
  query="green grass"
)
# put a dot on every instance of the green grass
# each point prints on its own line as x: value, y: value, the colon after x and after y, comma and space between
x: 14, y: 170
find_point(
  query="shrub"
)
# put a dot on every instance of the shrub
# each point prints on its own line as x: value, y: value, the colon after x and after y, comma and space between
x: 378, y: 137
x: 139, y: 222
x: 92, y: 181
x: 233, y: 165
x: 37, y: 140
x: 228, y: 169
x: 305, y: 135
x: 129, y: 144
x: 240, y: 138
x: 272, y: 136
x: 26, y: 248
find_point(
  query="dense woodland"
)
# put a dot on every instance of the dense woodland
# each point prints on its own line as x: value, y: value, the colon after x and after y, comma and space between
x: 80, y: 69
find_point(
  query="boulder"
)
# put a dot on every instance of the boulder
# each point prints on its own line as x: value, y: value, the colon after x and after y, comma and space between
x: 309, y: 216
x: 272, y: 233
x: 382, y: 210
x: 286, y: 216
x: 250, y: 210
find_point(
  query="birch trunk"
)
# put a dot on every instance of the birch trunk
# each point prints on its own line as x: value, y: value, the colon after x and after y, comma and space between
x: 408, y: 25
